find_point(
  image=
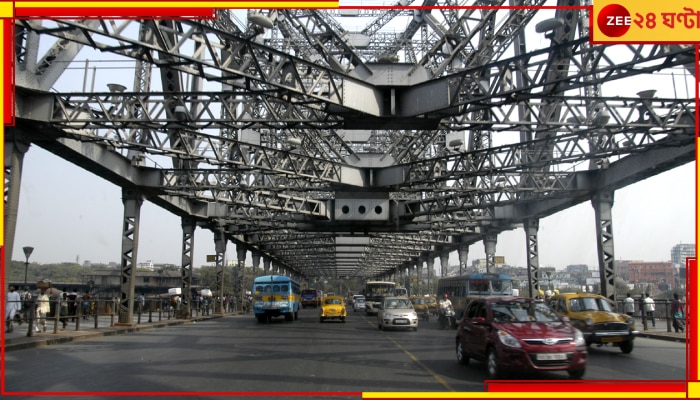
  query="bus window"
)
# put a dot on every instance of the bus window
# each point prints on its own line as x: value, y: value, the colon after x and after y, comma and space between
x: 285, y: 288
x: 268, y: 288
x: 259, y: 288
x: 276, y: 289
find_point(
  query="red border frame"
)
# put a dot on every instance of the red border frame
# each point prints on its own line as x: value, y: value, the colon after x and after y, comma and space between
x: 501, y: 387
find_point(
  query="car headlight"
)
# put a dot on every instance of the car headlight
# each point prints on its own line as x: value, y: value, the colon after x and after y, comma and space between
x: 508, y: 339
x: 579, y: 340
x: 630, y: 321
x: 414, y: 315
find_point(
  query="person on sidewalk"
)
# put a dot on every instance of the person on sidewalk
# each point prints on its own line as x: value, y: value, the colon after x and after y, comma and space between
x: 43, y: 308
x: 677, y: 314
x: 629, y: 305
x: 13, y: 305
x: 649, y: 308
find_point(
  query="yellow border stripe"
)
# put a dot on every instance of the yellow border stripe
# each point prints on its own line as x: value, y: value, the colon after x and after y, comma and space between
x: 184, y: 4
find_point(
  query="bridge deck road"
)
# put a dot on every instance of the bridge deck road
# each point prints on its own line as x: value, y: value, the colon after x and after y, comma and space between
x: 237, y: 354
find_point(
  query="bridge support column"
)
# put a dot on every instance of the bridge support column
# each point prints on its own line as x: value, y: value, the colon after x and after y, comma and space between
x: 602, y: 204
x: 430, y: 265
x: 266, y: 265
x: 256, y: 263
x: 14, y: 159
x: 188, y: 227
x: 411, y: 290
x: 463, y: 253
x: 220, y: 250
x: 531, y: 227
x: 490, y: 249
x: 444, y: 261
x: 241, y: 252
x: 132, y: 200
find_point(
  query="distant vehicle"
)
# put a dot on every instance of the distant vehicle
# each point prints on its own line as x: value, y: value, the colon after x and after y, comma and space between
x: 432, y: 305
x: 358, y: 304
x: 519, y: 334
x: 421, y: 306
x: 462, y: 289
x: 311, y: 298
x: 397, y: 312
x: 276, y: 295
x: 374, y: 293
x: 333, y: 307
x: 594, y: 316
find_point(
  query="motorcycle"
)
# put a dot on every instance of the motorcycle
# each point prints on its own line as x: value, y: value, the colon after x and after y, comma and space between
x: 447, y: 318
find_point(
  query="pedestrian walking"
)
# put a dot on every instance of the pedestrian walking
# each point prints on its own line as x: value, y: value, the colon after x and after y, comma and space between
x: 13, y: 305
x: 677, y: 314
x: 63, y: 309
x: 26, y: 297
x: 629, y: 305
x: 73, y: 304
x: 42, y: 309
x: 649, y: 308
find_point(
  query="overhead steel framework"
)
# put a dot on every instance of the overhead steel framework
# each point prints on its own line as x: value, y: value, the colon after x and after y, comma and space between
x: 354, y: 142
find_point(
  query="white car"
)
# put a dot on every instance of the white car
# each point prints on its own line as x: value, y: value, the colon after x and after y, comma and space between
x: 358, y: 304
x: 397, y: 312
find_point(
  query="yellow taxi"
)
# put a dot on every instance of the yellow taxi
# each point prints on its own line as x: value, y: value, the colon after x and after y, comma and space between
x: 333, y: 307
x: 593, y: 315
x: 432, y: 305
x: 420, y: 304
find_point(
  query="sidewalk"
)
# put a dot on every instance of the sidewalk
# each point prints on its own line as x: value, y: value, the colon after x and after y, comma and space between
x: 18, y: 339
x: 660, y: 331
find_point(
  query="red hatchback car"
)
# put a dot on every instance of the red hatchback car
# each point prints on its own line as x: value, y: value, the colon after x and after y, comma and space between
x: 519, y: 334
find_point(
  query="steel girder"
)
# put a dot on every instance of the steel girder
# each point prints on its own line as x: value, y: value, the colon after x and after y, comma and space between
x: 267, y: 155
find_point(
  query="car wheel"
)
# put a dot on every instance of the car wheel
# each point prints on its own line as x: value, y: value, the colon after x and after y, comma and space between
x: 320, y: 319
x: 462, y: 356
x: 342, y: 319
x: 492, y: 364
x: 577, y: 374
x: 627, y: 346
x: 379, y: 326
x: 415, y: 329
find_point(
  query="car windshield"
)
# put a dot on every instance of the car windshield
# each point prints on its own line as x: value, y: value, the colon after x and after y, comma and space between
x: 519, y: 311
x: 588, y: 304
x: 398, y: 303
x: 333, y: 301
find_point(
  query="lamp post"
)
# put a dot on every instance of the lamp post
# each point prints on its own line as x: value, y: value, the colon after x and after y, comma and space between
x: 27, y: 252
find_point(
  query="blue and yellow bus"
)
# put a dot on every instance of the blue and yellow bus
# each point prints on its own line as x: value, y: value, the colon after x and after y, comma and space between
x: 274, y: 296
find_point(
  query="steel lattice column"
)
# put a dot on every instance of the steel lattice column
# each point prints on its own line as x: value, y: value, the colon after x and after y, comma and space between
x: 430, y: 264
x: 602, y: 204
x: 238, y: 274
x: 444, y: 261
x: 531, y: 227
x: 14, y: 157
x: 463, y: 253
x: 188, y: 227
x: 266, y: 265
x: 256, y: 263
x: 220, y: 250
x: 132, y: 200
x: 490, y: 249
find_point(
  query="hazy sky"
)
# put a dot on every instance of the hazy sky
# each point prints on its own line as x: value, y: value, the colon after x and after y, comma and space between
x: 66, y: 213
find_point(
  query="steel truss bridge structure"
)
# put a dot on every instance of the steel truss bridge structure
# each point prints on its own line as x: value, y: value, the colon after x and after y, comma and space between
x: 330, y: 151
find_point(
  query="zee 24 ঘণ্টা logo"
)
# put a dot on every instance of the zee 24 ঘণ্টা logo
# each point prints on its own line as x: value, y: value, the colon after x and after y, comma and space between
x: 614, y: 20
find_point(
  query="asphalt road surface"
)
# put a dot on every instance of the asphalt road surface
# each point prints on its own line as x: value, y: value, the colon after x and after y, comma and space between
x: 237, y: 354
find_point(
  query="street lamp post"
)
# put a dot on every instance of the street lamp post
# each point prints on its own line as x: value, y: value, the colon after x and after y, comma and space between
x: 27, y: 252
